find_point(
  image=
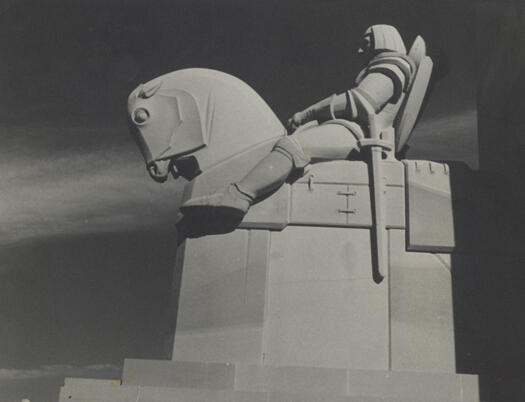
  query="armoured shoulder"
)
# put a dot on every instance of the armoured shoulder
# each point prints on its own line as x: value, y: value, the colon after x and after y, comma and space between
x: 399, y: 60
x: 398, y: 67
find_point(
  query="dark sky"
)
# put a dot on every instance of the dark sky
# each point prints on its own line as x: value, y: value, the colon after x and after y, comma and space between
x: 86, y: 237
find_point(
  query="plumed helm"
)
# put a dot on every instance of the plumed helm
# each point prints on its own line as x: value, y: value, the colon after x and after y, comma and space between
x: 385, y: 38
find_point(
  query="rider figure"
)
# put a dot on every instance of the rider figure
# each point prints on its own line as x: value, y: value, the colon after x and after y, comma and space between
x: 380, y: 86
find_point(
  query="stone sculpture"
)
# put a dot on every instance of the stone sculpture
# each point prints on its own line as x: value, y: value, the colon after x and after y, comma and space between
x: 279, y: 290
x: 381, y: 87
x: 378, y: 114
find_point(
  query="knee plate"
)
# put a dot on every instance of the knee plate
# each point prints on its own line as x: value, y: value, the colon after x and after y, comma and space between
x: 290, y: 147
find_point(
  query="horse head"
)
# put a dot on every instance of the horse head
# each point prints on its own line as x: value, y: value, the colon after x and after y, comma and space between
x: 192, y: 120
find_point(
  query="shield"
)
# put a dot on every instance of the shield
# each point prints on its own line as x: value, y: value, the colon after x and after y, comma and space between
x: 407, y: 117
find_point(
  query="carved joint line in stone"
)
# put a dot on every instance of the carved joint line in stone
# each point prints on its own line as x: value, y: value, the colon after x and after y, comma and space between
x: 310, y: 182
x: 347, y: 194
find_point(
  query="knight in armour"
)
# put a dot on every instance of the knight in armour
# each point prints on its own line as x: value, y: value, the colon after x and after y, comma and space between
x: 343, y: 122
x: 381, y: 85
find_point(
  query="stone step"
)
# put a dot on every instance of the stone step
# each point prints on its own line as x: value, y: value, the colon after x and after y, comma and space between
x: 99, y: 392
x: 87, y: 389
x: 326, y: 381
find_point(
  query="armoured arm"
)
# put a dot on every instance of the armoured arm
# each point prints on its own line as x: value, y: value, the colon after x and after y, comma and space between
x: 376, y: 89
x: 384, y: 83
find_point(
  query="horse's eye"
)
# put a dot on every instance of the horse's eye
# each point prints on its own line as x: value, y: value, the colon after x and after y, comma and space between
x: 140, y: 116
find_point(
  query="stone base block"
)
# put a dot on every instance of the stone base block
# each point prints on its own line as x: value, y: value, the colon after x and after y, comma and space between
x: 163, y: 381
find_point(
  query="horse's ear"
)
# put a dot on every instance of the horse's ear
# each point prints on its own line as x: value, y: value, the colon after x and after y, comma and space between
x: 146, y: 92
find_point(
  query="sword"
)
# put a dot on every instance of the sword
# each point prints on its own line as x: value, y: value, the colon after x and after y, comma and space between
x: 379, y: 225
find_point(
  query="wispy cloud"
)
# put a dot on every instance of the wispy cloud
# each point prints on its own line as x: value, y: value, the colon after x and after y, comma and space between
x: 58, y: 371
x: 73, y: 186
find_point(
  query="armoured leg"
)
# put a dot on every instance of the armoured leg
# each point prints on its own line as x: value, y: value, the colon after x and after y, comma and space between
x: 272, y: 171
x: 267, y: 175
x: 327, y: 142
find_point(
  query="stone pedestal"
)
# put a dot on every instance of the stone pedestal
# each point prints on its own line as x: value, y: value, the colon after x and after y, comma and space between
x: 298, y: 289
x: 286, y: 307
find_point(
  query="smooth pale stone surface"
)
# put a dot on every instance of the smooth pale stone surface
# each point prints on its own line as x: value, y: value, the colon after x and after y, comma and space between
x: 178, y: 374
x: 290, y: 379
x: 287, y: 397
x: 324, y: 325
x: 370, y: 383
x: 257, y: 271
x: 272, y: 213
x: 305, y: 397
x: 320, y: 254
x: 150, y: 394
x: 221, y: 345
x: 469, y: 387
x: 394, y: 173
x: 222, y: 297
x: 324, y: 309
x: 430, y: 218
x: 212, y: 288
x: 422, y: 319
x: 395, y: 207
x: 409, y: 385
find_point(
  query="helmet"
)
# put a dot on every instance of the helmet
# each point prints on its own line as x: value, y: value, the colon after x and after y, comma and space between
x: 382, y: 38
